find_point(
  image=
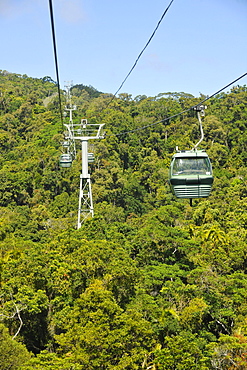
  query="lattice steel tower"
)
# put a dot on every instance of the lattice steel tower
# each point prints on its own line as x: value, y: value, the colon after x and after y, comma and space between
x: 82, y: 131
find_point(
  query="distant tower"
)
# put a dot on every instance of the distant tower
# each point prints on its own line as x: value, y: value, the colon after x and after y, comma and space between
x: 82, y: 131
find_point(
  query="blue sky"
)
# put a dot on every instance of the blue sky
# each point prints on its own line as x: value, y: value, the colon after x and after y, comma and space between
x: 199, y: 47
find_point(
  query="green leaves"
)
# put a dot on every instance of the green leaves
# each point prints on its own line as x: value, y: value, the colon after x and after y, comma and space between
x: 230, y: 352
x: 182, y: 352
x: 104, y: 336
x: 150, y: 282
x: 12, y: 353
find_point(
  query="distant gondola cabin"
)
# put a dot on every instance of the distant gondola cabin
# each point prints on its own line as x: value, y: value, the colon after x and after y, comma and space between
x: 190, y: 174
x: 90, y: 157
x: 65, y: 160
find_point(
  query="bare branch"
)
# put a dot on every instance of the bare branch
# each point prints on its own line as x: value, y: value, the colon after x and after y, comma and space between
x: 20, y: 319
x: 17, y: 312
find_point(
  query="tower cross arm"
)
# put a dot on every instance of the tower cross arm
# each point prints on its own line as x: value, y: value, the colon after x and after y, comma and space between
x: 87, y: 131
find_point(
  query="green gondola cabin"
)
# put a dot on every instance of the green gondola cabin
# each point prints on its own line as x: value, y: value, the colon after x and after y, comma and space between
x: 190, y: 174
x: 90, y: 157
x: 65, y: 160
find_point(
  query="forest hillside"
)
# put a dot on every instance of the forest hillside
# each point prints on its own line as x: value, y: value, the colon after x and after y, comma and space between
x: 150, y: 282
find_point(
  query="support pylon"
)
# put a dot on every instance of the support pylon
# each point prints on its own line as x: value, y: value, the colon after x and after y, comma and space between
x: 84, y: 132
x: 85, y: 208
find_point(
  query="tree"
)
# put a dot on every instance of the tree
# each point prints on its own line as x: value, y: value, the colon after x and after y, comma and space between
x: 12, y: 353
x: 99, y: 335
x: 229, y: 353
x: 182, y: 352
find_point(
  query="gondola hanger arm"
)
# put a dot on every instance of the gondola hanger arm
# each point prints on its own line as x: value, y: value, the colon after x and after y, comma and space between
x: 200, y: 112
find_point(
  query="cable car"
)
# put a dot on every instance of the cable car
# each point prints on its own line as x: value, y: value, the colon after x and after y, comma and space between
x: 65, y: 160
x: 190, y: 174
x: 90, y: 157
x: 66, y: 144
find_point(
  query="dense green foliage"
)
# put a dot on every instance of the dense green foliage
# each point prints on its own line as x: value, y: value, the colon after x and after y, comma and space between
x: 150, y: 282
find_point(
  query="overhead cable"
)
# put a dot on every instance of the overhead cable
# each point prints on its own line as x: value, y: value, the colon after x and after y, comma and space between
x: 223, y: 88
x: 56, y: 60
x: 182, y: 112
x: 139, y: 56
